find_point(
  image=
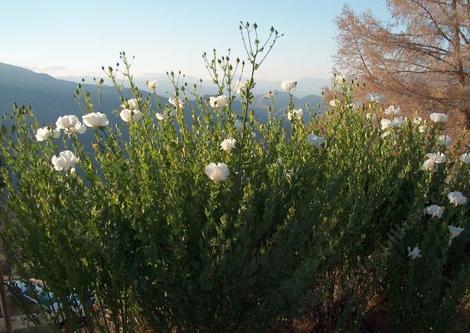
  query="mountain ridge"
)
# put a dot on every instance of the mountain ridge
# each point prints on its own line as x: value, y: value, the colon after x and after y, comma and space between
x: 305, y: 86
x: 51, y: 97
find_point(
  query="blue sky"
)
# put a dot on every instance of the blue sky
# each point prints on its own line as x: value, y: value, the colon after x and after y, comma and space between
x: 77, y: 37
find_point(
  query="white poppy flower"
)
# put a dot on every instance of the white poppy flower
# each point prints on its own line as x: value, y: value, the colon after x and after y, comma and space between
x: 333, y: 102
x: 435, y: 211
x: 422, y: 128
x: 241, y: 87
x: 152, y: 85
x: 415, y: 253
x: 428, y: 165
x: 78, y: 128
x: 385, y: 124
x: 392, y: 110
x: 457, y: 198
x: 439, y: 117
x: 130, y: 115
x: 70, y: 124
x: 288, y: 86
x: 217, y: 172
x: 66, y: 161
x: 316, y: 140
x: 160, y: 116
x: 444, y: 140
x: 95, y: 119
x: 228, y: 144
x: 465, y: 158
x: 44, y: 133
x: 218, y: 102
x: 437, y: 157
x: 417, y: 120
x: 398, y: 122
x: 177, y: 103
x: 133, y: 104
x: 433, y: 159
x: 455, y: 231
x: 295, y: 114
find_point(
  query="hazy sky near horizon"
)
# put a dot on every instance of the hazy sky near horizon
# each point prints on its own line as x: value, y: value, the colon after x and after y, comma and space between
x: 75, y: 38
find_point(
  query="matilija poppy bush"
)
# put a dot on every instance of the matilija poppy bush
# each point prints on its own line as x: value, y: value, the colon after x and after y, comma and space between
x: 189, y: 216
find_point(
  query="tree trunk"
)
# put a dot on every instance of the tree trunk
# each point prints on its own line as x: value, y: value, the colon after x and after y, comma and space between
x: 466, y: 113
x: 3, y: 297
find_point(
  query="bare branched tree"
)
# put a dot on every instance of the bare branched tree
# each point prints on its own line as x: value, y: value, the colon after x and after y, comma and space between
x: 419, y: 59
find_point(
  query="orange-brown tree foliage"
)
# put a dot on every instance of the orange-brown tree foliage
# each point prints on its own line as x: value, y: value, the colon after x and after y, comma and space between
x: 419, y: 59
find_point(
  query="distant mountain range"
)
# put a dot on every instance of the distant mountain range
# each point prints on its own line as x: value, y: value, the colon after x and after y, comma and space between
x: 48, y: 96
x: 305, y: 87
x: 51, y: 97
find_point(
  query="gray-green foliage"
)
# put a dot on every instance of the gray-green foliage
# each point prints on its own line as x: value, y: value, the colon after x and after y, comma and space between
x: 294, y: 229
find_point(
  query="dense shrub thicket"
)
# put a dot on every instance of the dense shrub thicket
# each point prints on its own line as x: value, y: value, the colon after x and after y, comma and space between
x: 220, y: 223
